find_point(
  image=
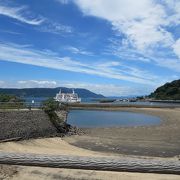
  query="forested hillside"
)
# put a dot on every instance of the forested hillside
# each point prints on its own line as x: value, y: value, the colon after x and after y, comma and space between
x: 169, y: 91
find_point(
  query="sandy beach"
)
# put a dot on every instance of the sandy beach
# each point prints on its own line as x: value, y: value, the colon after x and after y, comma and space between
x: 161, y: 141
x: 61, y: 147
x: 38, y: 173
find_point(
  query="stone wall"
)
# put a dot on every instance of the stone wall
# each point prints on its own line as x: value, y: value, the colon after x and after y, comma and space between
x: 26, y: 124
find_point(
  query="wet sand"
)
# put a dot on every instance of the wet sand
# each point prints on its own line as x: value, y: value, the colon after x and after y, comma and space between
x: 159, y: 141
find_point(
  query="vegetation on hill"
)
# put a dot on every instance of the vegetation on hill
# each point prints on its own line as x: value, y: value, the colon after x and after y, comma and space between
x: 9, y: 98
x: 49, y: 92
x: 10, y: 101
x: 169, y: 91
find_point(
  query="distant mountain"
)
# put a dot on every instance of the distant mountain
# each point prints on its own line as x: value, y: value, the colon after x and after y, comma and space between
x: 49, y: 92
x: 169, y: 91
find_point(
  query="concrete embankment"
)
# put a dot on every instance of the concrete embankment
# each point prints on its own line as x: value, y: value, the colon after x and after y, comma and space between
x: 110, y: 106
x: 28, y: 124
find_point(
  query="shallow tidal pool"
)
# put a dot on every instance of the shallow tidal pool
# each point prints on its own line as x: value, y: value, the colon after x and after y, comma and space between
x: 101, y: 119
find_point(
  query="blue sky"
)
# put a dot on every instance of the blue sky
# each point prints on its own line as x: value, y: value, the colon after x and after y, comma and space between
x: 117, y: 47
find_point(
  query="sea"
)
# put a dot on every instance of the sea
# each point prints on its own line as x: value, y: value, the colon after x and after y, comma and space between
x: 37, y: 101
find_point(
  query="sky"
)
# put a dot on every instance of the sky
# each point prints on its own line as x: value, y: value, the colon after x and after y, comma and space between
x: 116, y: 48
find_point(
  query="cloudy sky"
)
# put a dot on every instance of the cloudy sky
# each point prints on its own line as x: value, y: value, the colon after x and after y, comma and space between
x: 117, y: 47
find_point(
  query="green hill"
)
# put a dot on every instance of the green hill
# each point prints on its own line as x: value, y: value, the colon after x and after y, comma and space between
x: 169, y: 91
x: 48, y: 92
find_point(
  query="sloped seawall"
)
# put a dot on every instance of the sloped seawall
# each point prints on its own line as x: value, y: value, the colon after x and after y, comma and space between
x: 26, y: 124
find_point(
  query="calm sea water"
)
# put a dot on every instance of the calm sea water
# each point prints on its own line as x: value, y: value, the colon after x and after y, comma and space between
x: 35, y: 99
x: 38, y: 101
x: 92, y: 119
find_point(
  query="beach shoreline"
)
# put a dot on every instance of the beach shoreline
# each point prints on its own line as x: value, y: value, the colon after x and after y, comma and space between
x: 158, y: 140
x: 102, y: 142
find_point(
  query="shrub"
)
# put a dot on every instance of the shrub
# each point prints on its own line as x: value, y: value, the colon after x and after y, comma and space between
x: 52, y: 105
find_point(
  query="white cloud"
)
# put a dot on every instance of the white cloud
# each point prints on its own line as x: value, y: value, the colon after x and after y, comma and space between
x: 173, y: 6
x: 75, y: 50
x: 63, y: 1
x: 36, y: 83
x: 165, y: 58
x: 176, y: 48
x: 20, y: 14
x: 55, y: 28
x: 23, y: 14
x: 140, y: 21
x: 10, y: 32
x: 143, y: 23
x: 173, y: 64
x: 143, y: 26
x: 109, y: 89
x: 29, y: 84
x: 26, y: 55
x: 124, y: 52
